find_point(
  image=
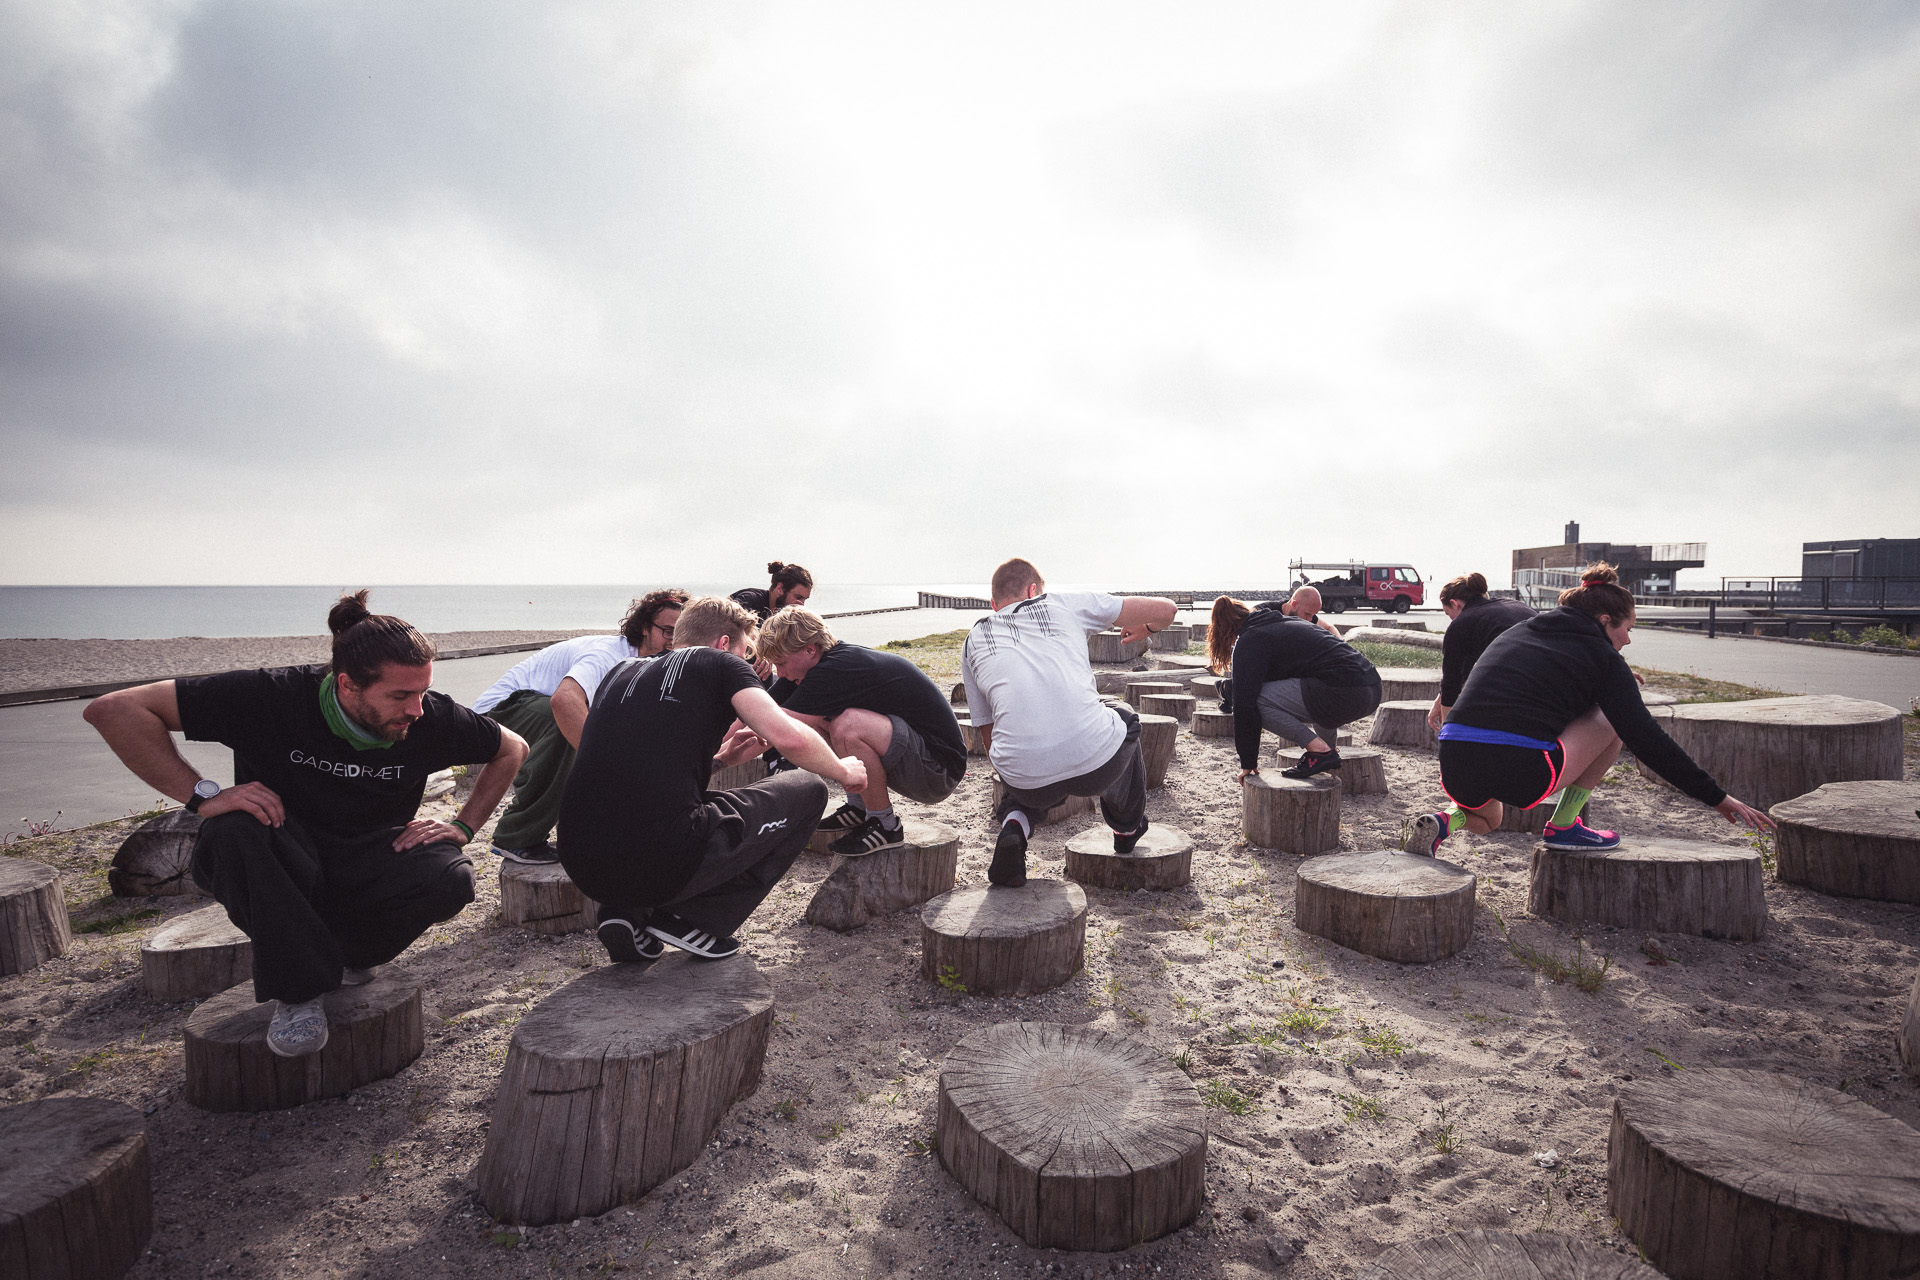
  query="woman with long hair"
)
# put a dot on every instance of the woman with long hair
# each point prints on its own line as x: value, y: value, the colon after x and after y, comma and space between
x: 1289, y: 676
x: 1474, y: 621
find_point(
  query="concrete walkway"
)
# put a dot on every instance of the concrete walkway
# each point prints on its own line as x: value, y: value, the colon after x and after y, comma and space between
x: 1790, y: 668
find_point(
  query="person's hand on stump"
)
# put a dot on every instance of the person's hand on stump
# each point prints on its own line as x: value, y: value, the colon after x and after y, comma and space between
x: 1736, y: 811
x: 1248, y: 773
x: 255, y: 798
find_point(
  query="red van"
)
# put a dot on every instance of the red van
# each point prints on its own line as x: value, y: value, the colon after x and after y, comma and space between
x: 1390, y: 588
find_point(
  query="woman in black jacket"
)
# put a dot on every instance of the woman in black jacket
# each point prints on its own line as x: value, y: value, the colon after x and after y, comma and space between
x: 1546, y: 709
x: 1290, y: 676
x: 1474, y: 620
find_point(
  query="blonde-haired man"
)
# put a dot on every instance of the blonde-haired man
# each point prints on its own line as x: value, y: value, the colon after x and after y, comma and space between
x: 876, y: 707
x: 670, y: 862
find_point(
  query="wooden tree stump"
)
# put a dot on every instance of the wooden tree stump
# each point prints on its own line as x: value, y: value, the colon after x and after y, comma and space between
x: 1503, y: 1255
x: 1857, y: 839
x: 1197, y: 632
x: 1136, y: 689
x: 1292, y: 815
x: 1724, y: 1174
x: 1403, y: 724
x: 735, y: 776
x: 857, y: 890
x: 1774, y: 749
x: 1397, y: 906
x: 1531, y: 821
x: 540, y: 896
x: 959, y: 696
x: 76, y: 1197
x: 33, y: 916
x: 975, y: 740
x: 201, y: 953
x: 1362, y: 771
x: 1178, y: 705
x: 992, y: 941
x: 1158, y: 734
x: 1212, y: 723
x: 1172, y: 640
x: 373, y: 1032
x: 616, y: 1081
x: 1205, y: 687
x: 1162, y: 860
x: 1071, y: 807
x: 1106, y: 646
x: 1409, y: 684
x: 1078, y: 1138
x: 1656, y: 885
x: 156, y: 859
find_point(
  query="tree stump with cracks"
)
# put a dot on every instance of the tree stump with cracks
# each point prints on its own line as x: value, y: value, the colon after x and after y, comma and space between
x: 1503, y: 1255
x: 1158, y: 734
x: 1293, y: 815
x: 33, y: 916
x: 994, y: 941
x: 1362, y: 771
x: 156, y: 859
x: 1137, y: 689
x: 857, y: 890
x: 1162, y: 860
x: 1078, y: 1138
x: 1409, y: 684
x: 1656, y: 885
x: 1173, y: 639
x: 541, y: 897
x: 1106, y: 646
x: 1725, y: 1174
x: 1205, y: 686
x: 1856, y: 839
x: 1212, y: 723
x: 975, y: 740
x: 373, y: 1032
x: 616, y: 1081
x: 1397, y: 906
x: 1775, y: 749
x: 201, y: 953
x: 76, y: 1189
x: 1403, y: 724
x: 1178, y: 705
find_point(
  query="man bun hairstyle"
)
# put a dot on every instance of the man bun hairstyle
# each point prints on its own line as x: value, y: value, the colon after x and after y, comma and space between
x: 789, y: 631
x: 1223, y: 629
x: 1466, y: 588
x: 788, y: 576
x: 646, y: 610
x: 1012, y: 578
x: 1599, y: 594
x: 705, y: 620
x: 364, y: 642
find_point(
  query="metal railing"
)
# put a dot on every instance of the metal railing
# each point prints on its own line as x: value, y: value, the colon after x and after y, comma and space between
x: 1825, y: 594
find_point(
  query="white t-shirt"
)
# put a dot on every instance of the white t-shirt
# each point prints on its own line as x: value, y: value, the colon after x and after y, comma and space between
x: 586, y: 658
x: 1027, y: 675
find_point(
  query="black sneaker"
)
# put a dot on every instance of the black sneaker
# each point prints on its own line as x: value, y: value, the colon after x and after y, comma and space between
x: 1224, y: 692
x: 845, y: 818
x: 870, y: 836
x: 691, y: 938
x: 534, y: 855
x: 626, y: 944
x: 1009, y: 866
x: 1313, y: 762
x: 1124, y: 844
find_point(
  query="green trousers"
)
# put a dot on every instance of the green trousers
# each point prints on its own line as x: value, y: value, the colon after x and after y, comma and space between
x: 536, y: 788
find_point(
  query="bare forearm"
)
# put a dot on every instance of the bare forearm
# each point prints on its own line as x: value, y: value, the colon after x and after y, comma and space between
x: 1156, y: 612
x: 143, y: 743
x: 569, y: 707
x: 494, y: 780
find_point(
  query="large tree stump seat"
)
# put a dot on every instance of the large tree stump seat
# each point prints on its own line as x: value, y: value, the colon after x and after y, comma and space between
x: 1173, y: 639
x: 1107, y: 646
x: 155, y: 860
x: 616, y: 1081
x: 1137, y: 689
x: 976, y: 740
x: 76, y: 1189
x: 1397, y: 906
x: 1158, y: 734
x: 1362, y: 771
x: 860, y: 889
x: 1178, y: 705
x: 1113, y: 683
x: 1071, y: 807
x: 1197, y: 632
x: 1403, y: 724
x: 1531, y: 821
x: 1293, y: 815
x: 1163, y: 859
x: 735, y: 776
x: 1079, y: 1138
x: 1773, y: 749
x: 33, y: 916
x: 1856, y: 839
x: 541, y: 897
x: 1725, y: 1174
x: 373, y: 1032
x: 1654, y: 884
x: 1212, y: 723
x: 993, y: 941
x: 1503, y: 1255
x: 1205, y: 686
x: 201, y: 953
x: 1409, y: 684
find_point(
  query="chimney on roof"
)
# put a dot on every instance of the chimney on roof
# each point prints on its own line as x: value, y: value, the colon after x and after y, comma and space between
x: 1573, y: 533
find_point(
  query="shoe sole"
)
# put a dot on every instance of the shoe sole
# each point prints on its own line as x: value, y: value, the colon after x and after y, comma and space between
x: 877, y: 848
x: 623, y: 945
x: 278, y: 1052
x: 1427, y: 846
x: 1010, y: 853
x: 515, y: 856
x: 1581, y: 848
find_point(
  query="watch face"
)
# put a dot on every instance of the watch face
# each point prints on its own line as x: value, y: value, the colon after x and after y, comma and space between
x: 206, y: 788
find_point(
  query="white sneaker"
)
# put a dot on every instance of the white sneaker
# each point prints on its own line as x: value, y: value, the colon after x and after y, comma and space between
x: 355, y: 977
x: 297, y: 1029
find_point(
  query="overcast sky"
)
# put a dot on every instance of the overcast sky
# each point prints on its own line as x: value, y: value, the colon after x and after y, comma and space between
x: 349, y: 290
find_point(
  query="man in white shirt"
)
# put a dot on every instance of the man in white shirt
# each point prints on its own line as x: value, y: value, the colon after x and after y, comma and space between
x: 545, y: 700
x: 1049, y: 734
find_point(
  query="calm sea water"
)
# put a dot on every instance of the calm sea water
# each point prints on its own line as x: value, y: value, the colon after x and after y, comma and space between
x: 148, y: 613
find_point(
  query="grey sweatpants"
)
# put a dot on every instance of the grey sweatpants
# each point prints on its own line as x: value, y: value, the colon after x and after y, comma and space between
x: 1121, y: 783
x: 1283, y: 709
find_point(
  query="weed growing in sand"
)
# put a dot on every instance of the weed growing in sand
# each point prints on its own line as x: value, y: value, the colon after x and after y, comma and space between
x: 924, y: 1144
x: 1586, y: 974
x: 1183, y: 1060
x: 1761, y: 843
x: 119, y: 924
x: 1385, y: 1043
x: 1137, y: 1016
x: 1665, y: 1061
x: 788, y: 1108
x: 1360, y: 1107
x: 831, y: 1130
x: 1224, y: 1097
x: 1441, y: 1137
x: 1306, y: 1021
x: 950, y: 979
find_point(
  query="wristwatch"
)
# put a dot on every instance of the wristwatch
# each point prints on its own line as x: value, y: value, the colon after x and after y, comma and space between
x: 203, y: 791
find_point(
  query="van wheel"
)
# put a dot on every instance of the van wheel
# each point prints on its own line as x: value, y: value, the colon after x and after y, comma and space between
x: 1402, y: 603
x: 1335, y: 605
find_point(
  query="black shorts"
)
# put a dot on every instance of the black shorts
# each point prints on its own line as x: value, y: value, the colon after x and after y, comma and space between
x: 1473, y: 773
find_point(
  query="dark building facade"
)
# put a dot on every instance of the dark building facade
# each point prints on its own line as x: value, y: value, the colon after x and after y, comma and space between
x: 1861, y: 558
x: 1645, y: 568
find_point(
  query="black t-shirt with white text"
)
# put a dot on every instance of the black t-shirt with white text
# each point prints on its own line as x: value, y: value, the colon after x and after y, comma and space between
x: 638, y: 787
x: 756, y: 600
x: 273, y: 722
x: 852, y: 675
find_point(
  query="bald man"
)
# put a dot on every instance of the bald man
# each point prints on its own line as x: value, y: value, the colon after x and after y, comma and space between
x: 1305, y: 603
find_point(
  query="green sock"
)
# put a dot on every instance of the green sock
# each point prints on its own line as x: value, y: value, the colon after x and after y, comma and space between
x: 1456, y: 819
x: 1572, y: 800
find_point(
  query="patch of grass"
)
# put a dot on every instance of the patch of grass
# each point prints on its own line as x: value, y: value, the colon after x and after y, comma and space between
x: 119, y: 924
x: 1359, y: 1106
x: 1394, y: 655
x: 831, y: 1130
x: 1183, y: 1060
x: 950, y: 979
x: 1306, y: 1021
x: 1441, y: 1136
x: 788, y: 1108
x: 1691, y: 688
x: 1587, y: 975
x: 938, y: 655
x: 1385, y: 1042
x: 924, y: 1144
x: 1224, y: 1097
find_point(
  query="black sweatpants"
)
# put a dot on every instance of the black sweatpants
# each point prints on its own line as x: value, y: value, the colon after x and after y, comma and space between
x: 1121, y: 783
x: 760, y: 830
x: 315, y: 903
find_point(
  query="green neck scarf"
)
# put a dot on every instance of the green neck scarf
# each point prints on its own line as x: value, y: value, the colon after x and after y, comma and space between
x: 342, y: 724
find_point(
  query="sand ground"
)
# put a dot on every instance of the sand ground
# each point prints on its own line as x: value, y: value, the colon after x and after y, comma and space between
x: 1359, y: 1103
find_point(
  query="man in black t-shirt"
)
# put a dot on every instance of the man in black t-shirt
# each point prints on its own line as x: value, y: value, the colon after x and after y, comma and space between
x: 316, y: 851
x: 669, y: 861
x: 877, y: 707
x: 789, y: 584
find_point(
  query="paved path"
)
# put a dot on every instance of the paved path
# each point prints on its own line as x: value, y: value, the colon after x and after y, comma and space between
x: 1790, y: 668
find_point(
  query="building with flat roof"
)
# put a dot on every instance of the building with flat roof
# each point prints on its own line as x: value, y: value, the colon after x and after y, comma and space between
x: 1646, y: 568
x: 1861, y: 558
